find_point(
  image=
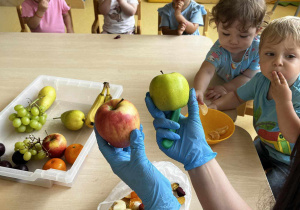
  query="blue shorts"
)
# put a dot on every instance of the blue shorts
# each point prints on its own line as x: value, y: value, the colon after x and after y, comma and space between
x: 276, y: 170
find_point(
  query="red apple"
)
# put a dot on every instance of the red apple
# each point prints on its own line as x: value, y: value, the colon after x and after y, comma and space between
x: 115, y: 120
x: 55, y: 144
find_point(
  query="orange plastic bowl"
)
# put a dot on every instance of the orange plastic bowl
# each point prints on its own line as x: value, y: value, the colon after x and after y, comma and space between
x: 215, y: 119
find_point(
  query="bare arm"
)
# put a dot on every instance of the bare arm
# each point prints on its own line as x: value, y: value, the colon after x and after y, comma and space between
x: 288, y: 120
x: 240, y: 80
x: 68, y: 23
x: 218, y: 91
x: 227, y: 102
x: 128, y: 9
x: 190, y: 27
x: 104, y: 6
x: 179, y: 31
x: 213, y: 188
x: 34, y: 22
x: 203, y: 78
x: 167, y: 31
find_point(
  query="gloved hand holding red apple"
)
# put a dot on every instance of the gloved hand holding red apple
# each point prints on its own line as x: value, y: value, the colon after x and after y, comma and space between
x: 114, y: 121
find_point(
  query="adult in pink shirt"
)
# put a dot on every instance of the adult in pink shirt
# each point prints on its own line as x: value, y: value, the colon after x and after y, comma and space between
x: 47, y: 16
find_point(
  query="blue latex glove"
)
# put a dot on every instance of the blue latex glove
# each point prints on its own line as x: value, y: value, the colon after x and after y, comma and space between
x: 190, y: 146
x: 134, y: 168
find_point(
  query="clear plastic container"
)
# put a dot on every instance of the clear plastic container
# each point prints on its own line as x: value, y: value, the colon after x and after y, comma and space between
x: 71, y: 94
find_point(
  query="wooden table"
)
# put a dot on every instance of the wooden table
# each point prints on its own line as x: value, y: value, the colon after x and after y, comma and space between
x: 131, y: 61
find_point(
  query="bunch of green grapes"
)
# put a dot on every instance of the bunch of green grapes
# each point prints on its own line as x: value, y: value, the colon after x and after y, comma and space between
x: 31, y: 148
x: 28, y: 119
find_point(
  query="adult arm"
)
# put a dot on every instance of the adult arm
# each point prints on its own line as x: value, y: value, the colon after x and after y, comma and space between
x: 151, y: 186
x: 213, y: 189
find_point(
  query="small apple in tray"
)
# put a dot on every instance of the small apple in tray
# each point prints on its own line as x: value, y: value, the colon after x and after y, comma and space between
x: 114, y: 121
x: 55, y: 145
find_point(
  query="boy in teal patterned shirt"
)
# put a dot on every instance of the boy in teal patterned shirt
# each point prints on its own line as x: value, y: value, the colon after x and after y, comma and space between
x: 276, y: 94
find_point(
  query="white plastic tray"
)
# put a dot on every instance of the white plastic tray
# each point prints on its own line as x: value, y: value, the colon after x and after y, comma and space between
x: 71, y: 94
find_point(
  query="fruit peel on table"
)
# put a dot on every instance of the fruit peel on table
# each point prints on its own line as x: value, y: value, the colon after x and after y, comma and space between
x: 169, y: 92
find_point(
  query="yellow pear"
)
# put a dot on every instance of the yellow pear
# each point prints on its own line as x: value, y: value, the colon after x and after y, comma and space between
x: 73, y: 119
x: 47, y: 96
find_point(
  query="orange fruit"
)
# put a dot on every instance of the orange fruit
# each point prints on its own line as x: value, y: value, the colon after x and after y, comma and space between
x: 55, y: 163
x: 72, y: 152
x: 203, y: 108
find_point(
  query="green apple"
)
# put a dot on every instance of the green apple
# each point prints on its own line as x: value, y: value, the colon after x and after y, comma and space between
x: 169, y: 92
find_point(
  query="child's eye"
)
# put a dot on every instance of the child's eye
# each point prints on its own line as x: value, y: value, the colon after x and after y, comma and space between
x: 269, y: 54
x: 225, y: 34
x: 290, y: 56
x: 244, y: 36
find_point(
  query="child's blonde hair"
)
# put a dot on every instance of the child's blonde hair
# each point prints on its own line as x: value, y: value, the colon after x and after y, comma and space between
x: 280, y: 29
x: 250, y: 13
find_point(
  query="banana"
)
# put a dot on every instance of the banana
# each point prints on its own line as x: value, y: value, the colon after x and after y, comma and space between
x: 97, y: 103
x: 108, y: 97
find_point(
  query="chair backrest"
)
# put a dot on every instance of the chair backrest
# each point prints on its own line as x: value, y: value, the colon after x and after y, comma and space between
x: 245, y: 108
x: 24, y: 27
x: 21, y: 20
x: 96, y: 27
x: 205, y: 25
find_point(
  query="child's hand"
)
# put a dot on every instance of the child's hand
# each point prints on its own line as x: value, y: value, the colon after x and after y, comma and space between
x: 181, y: 28
x: 179, y: 5
x: 43, y: 5
x: 213, y: 93
x: 199, y: 96
x: 280, y: 89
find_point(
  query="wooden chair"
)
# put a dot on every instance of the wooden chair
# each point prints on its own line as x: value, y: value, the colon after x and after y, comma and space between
x: 96, y: 24
x: 245, y: 108
x: 288, y: 1
x: 205, y: 25
x: 24, y: 27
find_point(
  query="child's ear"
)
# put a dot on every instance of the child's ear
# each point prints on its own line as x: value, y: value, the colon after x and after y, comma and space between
x: 217, y: 24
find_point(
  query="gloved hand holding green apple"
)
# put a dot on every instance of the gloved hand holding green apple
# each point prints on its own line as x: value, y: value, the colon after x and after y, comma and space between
x: 169, y: 92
